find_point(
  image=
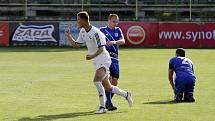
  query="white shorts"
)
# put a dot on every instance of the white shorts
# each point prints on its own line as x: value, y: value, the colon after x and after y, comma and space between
x: 102, y: 61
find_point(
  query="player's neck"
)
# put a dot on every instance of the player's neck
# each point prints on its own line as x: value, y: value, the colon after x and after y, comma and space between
x: 87, y: 27
x: 110, y: 27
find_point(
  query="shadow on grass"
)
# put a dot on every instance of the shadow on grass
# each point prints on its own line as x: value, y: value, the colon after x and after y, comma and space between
x: 161, y: 102
x: 61, y: 116
x: 57, y: 116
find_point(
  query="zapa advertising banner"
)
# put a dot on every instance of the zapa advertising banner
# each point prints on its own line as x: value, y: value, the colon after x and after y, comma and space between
x: 34, y: 34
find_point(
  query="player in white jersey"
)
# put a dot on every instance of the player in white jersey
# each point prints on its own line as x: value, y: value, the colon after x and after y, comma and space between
x: 95, y: 42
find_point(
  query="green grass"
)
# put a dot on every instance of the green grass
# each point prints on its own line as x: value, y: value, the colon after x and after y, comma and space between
x: 56, y: 85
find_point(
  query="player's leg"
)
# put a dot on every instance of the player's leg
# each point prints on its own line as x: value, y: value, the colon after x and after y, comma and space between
x: 113, y: 74
x: 109, y: 103
x: 116, y: 90
x: 188, y: 94
x: 99, y: 76
x: 114, y: 81
x: 179, y: 89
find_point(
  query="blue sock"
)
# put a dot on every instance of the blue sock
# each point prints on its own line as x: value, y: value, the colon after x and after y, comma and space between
x: 112, y: 94
x: 109, y: 100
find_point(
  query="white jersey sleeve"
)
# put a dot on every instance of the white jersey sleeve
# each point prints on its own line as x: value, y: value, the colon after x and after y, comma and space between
x: 100, y: 38
x: 80, y: 39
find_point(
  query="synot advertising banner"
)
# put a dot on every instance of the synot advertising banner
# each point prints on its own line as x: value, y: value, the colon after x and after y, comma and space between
x: 74, y: 30
x: 169, y: 34
x: 208, y: 35
x: 4, y: 33
x: 140, y: 33
x: 180, y: 34
x: 34, y: 34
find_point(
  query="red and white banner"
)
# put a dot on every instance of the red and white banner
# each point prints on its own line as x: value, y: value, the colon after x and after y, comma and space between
x: 179, y: 35
x: 209, y: 35
x: 169, y: 34
x: 139, y: 33
x: 4, y: 33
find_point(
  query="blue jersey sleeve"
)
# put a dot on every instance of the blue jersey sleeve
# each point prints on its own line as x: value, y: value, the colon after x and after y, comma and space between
x: 120, y: 33
x: 102, y: 29
x: 171, y: 64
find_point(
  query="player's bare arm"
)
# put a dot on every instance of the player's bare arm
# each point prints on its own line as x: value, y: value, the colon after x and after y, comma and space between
x: 170, y: 76
x: 121, y: 41
x: 98, y: 52
x: 71, y: 39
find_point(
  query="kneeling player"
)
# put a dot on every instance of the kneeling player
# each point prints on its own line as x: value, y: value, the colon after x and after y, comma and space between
x: 184, y: 82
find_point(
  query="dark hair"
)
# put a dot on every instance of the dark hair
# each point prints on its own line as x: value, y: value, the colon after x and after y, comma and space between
x: 83, y: 15
x: 180, y: 52
x: 112, y: 15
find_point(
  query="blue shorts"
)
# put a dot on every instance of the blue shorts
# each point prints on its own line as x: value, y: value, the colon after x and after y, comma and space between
x: 114, y: 68
x: 184, y: 84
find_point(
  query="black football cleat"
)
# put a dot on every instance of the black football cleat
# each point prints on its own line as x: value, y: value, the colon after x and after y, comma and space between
x: 111, y: 108
x: 178, y: 97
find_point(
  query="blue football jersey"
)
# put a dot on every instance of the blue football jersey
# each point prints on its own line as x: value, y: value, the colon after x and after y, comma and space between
x: 112, y: 35
x: 182, y: 66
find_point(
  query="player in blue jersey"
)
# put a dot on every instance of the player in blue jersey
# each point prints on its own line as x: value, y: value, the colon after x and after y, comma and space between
x: 114, y: 38
x: 184, y: 82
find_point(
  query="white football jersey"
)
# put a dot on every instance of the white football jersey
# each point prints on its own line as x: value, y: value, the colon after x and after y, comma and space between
x: 93, y: 39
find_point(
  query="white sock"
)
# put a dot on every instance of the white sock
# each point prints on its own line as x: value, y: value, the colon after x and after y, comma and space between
x: 101, y: 92
x: 118, y: 91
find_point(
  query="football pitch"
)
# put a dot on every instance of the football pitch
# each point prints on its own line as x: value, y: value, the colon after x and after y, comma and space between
x: 56, y: 85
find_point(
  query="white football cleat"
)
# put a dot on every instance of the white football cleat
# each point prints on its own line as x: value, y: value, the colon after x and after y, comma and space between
x: 129, y: 99
x: 101, y: 110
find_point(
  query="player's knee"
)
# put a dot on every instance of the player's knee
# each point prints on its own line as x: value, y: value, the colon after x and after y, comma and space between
x: 100, y: 74
x: 108, y: 87
x: 114, y: 82
x: 98, y: 77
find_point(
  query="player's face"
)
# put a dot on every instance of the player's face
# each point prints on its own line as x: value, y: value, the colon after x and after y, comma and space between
x: 113, y: 22
x: 80, y: 22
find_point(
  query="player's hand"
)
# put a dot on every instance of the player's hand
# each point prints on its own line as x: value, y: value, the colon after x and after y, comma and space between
x: 89, y: 57
x: 67, y: 31
x: 109, y: 43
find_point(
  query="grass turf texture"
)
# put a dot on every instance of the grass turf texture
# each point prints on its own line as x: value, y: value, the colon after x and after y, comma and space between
x: 56, y: 85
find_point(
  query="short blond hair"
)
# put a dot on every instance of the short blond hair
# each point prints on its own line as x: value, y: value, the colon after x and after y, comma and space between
x: 112, y: 15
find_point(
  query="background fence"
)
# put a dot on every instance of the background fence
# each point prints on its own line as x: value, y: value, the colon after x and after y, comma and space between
x: 128, y: 10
